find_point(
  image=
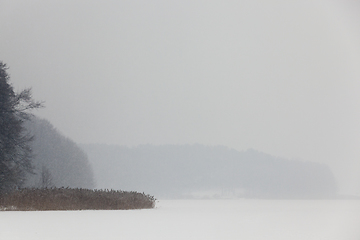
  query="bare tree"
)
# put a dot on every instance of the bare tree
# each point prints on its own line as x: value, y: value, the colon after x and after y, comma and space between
x: 46, y: 180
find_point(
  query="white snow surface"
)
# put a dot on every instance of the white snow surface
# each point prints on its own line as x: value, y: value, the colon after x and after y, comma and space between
x: 194, y: 219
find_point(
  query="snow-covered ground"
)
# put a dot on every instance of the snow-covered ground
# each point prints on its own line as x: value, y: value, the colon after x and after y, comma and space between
x: 194, y: 219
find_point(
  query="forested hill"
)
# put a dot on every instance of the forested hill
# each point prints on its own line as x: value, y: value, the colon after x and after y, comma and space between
x: 204, y: 171
x: 57, y: 158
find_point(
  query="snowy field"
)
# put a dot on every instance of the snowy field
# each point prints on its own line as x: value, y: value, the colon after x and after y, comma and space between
x: 194, y: 219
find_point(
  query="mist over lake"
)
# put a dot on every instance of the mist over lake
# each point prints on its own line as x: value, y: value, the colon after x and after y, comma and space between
x: 198, y: 171
x: 278, y: 77
x: 241, y: 117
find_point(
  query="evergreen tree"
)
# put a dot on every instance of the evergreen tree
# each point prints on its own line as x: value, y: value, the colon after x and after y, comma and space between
x: 15, y: 153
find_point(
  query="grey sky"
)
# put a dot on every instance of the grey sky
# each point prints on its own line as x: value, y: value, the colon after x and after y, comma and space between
x: 278, y: 76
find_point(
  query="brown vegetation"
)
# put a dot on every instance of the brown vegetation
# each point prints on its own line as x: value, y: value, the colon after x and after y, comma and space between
x: 74, y: 199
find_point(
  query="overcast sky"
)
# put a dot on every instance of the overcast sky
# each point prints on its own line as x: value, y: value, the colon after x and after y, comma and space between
x: 279, y: 76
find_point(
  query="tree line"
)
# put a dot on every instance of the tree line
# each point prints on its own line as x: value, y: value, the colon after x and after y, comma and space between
x: 32, y: 152
x: 199, y: 171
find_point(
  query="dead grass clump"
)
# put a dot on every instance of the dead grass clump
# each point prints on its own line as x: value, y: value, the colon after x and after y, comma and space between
x: 73, y: 199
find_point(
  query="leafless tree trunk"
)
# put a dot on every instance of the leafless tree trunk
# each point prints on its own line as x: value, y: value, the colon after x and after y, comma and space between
x: 46, y: 178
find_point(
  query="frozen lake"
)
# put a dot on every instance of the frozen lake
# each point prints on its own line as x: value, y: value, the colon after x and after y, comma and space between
x: 194, y: 219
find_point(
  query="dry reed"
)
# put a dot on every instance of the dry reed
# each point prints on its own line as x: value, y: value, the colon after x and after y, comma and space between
x: 35, y: 199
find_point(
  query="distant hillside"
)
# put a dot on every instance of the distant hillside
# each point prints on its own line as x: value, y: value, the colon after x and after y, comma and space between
x: 63, y: 162
x: 203, y: 171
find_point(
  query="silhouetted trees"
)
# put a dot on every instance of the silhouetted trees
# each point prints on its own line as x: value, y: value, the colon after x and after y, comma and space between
x: 190, y: 170
x: 15, y: 153
x: 56, y: 158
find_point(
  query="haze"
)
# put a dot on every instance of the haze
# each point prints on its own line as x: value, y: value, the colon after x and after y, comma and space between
x: 277, y: 76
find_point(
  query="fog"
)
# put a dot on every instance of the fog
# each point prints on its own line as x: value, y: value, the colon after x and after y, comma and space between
x: 204, y: 172
x: 277, y: 76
